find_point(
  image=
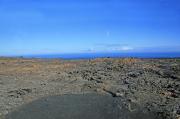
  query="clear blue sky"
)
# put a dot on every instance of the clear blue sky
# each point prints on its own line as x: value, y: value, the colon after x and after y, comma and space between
x: 72, y: 26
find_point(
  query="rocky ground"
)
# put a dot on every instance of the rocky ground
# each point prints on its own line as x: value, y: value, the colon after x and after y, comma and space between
x: 154, y: 84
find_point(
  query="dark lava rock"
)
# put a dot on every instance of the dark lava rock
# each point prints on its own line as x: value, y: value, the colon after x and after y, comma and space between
x: 85, y: 106
x: 135, y: 74
x: 178, y: 110
x: 19, y: 92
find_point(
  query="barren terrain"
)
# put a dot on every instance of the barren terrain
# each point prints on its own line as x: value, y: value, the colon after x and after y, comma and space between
x: 153, y: 84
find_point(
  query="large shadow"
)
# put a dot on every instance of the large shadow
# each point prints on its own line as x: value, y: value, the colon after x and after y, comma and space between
x: 82, y: 106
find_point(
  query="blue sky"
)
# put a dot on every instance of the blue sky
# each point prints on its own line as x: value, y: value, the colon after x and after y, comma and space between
x: 73, y: 26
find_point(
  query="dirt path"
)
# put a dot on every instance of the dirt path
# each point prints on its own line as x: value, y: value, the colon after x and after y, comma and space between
x: 84, y: 106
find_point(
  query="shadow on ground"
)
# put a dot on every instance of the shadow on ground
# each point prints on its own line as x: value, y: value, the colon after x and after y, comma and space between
x: 82, y: 106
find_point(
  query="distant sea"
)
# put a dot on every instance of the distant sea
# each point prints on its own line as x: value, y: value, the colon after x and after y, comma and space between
x: 105, y: 55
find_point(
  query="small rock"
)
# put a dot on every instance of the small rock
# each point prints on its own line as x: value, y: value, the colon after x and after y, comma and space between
x: 131, y: 100
x: 178, y: 110
x: 170, y: 94
x: 126, y: 82
x: 132, y: 74
x: 19, y: 92
x: 119, y: 94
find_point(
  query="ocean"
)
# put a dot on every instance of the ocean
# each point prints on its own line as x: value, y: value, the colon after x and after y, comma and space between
x: 106, y: 55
